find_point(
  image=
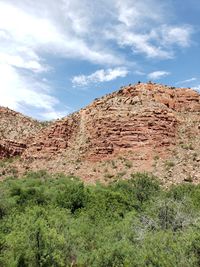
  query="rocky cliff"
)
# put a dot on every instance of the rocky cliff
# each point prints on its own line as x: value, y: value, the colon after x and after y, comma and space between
x: 145, y: 124
x: 138, y: 116
x: 16, y: 131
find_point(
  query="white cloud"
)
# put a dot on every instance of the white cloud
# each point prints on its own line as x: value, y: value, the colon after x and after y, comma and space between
x: 96, y: 31
x: 176, y: 35
x: 144, y: 27
x: 25, y: 62
x: 157, y: 43
x: 156, y: 75
x: 76, y: 29
x: 19, y: 93
x: 24, y: 39
x: 44, y: 34
x: 197, y: 88
x: 99, y: 76
x: 141, y: 43
x: 53, y: 114
x: 193, y: 79
x: 139, y: 13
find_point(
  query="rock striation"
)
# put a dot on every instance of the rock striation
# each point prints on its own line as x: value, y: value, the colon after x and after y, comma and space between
x: 54, y: 139
x: 141, y: 116
x: 9, y: 148
x: 16, y: 131
x: 142, y: 127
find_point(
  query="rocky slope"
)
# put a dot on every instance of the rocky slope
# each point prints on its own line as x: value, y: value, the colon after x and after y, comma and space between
x: 142, y: 127
x: 16, y: 131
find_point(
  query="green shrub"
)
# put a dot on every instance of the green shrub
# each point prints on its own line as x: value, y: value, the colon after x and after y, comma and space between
x: 54, y: 220
x: 145, y: 186
x: 169, y: 164
x: 128, y: 164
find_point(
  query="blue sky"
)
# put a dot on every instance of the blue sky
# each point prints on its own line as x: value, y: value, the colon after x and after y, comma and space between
x: 57, y: 56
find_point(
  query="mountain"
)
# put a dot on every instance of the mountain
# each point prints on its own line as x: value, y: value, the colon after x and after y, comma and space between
x: 143, y: 127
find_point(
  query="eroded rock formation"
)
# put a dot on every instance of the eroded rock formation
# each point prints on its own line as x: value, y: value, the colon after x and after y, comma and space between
x: 142, y: 127
x: 16, y: 131
x: 136, y: 116
x: 9, y: 148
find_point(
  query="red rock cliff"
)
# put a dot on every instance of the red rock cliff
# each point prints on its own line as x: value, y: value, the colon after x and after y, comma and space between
x: 137, y: 116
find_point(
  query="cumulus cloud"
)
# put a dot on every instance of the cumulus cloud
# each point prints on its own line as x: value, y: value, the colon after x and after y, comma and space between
x: 45, y: 34
x: 21, y: 93
x: 99, y: 76
x: 100, y: 32
x: 156, y: 75
x: 176, y: 35
x: 28, y: 35
x: 145, y: 29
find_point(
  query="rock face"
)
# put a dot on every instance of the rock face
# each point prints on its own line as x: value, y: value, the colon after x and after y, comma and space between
x: 136, y: 130
x: 135, y: 117
x: 16, y: 131
x: 142, y: 127
x: 54, y: 139
x: 15, y: 126
x: 10, y: 148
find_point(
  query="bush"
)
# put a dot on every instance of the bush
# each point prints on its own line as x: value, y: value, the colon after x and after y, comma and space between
x: 54, y: 220
x: 145, y: 186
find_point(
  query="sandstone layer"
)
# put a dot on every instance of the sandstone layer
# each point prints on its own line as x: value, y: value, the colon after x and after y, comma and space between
x: 142, y: 127
x: 137, y: 116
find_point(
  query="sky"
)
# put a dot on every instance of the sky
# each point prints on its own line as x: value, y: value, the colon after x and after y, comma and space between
x: 58, y: 56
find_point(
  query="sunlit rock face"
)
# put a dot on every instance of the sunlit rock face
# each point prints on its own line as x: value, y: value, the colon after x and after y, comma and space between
x: 141, y: 116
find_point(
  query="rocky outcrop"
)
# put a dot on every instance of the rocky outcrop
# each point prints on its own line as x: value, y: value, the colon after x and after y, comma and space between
x: 15, y: 126
x: 54, y: 139
x: 9, y: 148
x: 137, y: 116
x: 16, y: 131
x: 177, y: 99
x: 143, y: 127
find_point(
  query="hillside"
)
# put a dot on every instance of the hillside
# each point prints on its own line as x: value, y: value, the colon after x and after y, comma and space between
x: 16, y: 131
x: 142, y: 127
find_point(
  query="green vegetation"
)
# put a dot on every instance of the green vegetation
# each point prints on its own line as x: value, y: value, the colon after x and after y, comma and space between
x: 187, y: 146
x: 7, y: 161
x: 128, y: 164
x: 58, y: 221
x: 169, y: 164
